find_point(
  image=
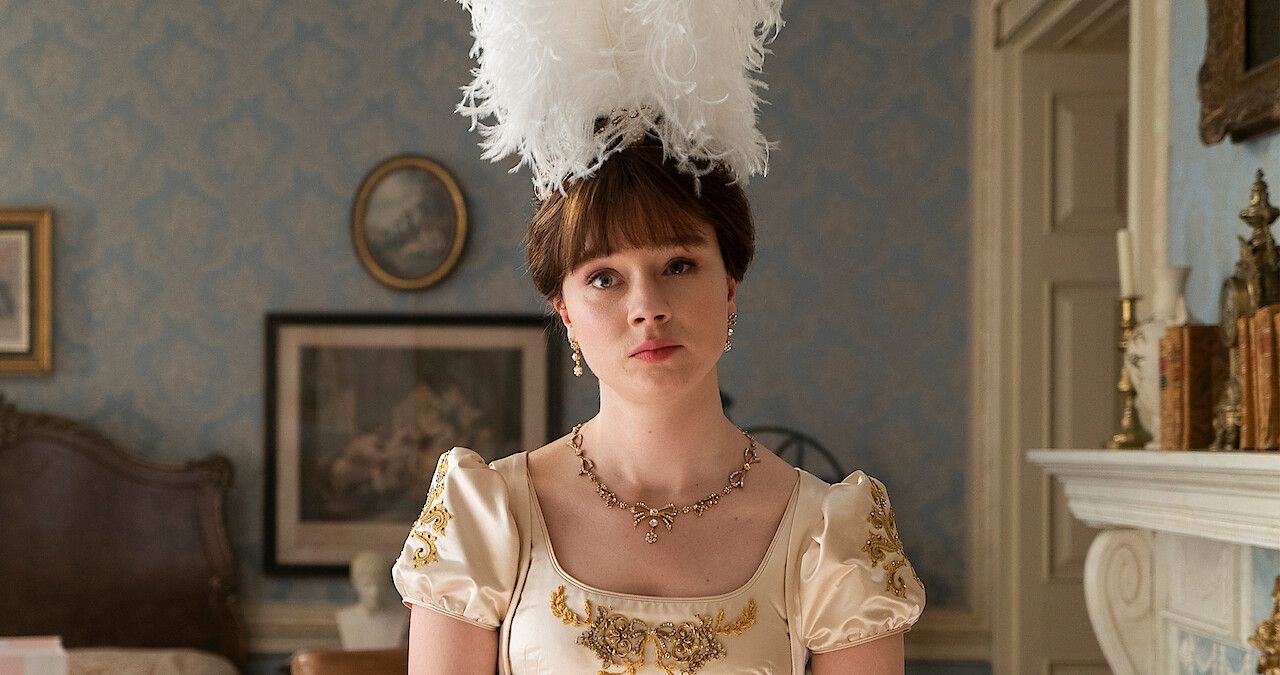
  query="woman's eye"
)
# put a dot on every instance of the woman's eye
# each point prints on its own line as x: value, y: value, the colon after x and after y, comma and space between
x: 607, y: 280
x: 685, y: 264
x: 597, y: 277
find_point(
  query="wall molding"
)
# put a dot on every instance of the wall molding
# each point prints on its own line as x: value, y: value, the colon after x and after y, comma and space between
x: 974, y: 631
x: 1148, y: 207
x: 948, y: 634
x: 286, y: 627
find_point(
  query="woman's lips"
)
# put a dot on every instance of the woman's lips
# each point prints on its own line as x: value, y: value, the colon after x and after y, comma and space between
x: 656, y: 355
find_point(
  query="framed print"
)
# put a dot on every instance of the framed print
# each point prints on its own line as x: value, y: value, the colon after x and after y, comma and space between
x: 1240, y: 77
x: 409, y: 222
x: 26, y: 291
x: 360, y: 407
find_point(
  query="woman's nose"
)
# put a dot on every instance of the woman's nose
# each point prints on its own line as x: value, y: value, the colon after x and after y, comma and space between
x: 649, y: 304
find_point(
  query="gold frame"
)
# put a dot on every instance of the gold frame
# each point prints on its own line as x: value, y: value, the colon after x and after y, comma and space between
x: 39, y: 223
x: 1234, y: 101
x: 367, y: 187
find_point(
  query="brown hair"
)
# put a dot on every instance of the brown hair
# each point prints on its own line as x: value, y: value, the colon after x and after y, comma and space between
x: 637, y: 198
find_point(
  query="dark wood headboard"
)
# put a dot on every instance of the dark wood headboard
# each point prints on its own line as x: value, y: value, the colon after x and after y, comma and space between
x: 110, y: 550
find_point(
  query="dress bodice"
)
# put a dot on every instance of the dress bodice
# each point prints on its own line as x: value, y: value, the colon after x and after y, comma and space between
x: 834, y: 576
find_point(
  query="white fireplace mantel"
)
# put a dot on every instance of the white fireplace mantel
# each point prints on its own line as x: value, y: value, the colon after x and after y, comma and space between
x: 1161, y: 563
x: 1225, y: 496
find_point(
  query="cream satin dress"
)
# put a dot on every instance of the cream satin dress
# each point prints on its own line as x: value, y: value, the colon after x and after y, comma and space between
x: 834, y: 576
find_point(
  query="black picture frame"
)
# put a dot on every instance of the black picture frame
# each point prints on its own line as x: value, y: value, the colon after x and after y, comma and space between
x: 351, y: 435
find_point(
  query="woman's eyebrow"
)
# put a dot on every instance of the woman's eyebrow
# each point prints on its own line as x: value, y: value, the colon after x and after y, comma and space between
x: 663, y: 248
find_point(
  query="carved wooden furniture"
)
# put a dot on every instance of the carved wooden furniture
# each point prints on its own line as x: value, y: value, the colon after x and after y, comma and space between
x: 109, y: 550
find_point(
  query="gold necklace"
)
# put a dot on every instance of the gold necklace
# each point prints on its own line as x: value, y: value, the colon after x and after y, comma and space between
x: 667, y: 514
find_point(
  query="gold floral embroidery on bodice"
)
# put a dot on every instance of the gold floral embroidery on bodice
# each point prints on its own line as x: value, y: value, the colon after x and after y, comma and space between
x: 884, y: 547
x: 620, y: 641
x: 433, y: 519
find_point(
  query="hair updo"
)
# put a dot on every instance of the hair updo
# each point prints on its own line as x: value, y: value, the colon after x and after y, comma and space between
x: 637, y: 199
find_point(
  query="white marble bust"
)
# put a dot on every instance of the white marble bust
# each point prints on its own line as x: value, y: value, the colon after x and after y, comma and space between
x: 376, y: 621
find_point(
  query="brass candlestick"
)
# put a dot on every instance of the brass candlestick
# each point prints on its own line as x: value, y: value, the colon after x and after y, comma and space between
x: 1132, y: 436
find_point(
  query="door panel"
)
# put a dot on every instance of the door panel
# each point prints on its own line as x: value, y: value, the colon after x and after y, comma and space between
x: 1071, y: 168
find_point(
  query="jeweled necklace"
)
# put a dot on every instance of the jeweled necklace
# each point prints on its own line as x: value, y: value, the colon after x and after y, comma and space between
x: 666, y: 515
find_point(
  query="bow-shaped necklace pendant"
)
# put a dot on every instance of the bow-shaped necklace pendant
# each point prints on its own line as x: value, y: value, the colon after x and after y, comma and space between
x: 665, y: 516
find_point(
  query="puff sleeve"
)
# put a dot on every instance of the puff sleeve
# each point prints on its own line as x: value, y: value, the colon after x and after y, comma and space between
x: 855, y: 583
x: 462, y: 553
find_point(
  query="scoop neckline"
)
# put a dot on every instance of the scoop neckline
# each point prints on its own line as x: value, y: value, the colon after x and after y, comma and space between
x: 783, y: 524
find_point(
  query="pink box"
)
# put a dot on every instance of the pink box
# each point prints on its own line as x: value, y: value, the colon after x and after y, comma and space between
x: 42, y: 655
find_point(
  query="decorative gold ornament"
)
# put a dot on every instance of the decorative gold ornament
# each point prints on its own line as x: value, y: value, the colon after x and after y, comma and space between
x: 1132, y: 435
x: 665, y: 516
x: 433, y: 519
x: 883, y: 544
x: 1254, y: 284
x: 620, y: 641
x: 1259, y: 257
x: 1237, y: 80
x: 577, y: 357
x: 728, y: 341
x: 1266, y: 638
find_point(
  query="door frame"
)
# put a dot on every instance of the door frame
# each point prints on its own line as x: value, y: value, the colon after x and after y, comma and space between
x: 1004, y: 30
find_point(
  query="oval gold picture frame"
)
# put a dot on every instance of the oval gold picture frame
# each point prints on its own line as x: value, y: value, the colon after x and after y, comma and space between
x: 400, y: 218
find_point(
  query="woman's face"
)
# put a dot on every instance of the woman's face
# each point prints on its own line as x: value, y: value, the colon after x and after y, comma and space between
x: 616, y: 304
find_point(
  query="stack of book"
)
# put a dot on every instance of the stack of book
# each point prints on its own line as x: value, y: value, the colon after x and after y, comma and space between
x: 1259, y: 379
x: 1193, y: 370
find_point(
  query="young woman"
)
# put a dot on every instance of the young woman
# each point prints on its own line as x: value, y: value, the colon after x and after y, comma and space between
x: 656, y: 536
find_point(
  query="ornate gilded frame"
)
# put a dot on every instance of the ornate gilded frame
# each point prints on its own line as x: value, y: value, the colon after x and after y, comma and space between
x: 1235, y: 101
x: 31, y: 229
x: 359, y: 225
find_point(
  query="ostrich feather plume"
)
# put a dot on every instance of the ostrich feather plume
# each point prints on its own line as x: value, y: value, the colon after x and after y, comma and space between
x: 680, y: 70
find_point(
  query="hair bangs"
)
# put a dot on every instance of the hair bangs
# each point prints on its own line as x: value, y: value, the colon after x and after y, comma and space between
x: 604, y: 218
x: 637, y: 199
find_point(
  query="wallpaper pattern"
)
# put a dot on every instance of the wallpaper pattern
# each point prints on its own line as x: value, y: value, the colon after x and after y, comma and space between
x: 201, y: 156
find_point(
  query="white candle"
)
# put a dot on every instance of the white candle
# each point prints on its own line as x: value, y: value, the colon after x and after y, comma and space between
x: 1124, y: 251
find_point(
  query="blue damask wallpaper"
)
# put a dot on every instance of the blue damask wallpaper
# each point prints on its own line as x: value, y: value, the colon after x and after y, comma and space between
x: 202, y: 155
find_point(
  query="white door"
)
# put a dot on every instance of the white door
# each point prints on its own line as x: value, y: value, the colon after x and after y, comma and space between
x: 1069, y: 165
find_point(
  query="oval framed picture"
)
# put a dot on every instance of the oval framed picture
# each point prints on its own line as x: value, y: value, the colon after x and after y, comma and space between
x: 409, y: 222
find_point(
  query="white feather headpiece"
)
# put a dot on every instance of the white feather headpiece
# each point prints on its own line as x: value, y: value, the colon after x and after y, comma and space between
x: 676, y: 69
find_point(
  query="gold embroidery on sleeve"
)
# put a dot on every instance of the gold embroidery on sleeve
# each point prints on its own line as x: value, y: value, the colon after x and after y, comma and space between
x: 620, y: 641
x: 879, y: 545
x: 433, y: 519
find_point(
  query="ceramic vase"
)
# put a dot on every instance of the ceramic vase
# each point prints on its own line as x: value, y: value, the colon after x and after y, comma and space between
x: 1168, y: 308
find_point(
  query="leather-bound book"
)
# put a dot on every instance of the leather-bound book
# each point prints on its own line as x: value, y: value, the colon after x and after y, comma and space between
x: 1244, y: 344
x: 1267, y: 404
x: 1204, y: 372
x: 1171, y: 389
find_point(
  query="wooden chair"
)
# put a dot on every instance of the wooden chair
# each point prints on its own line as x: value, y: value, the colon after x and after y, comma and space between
x: 800, y: 450
x: 338, y: 662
